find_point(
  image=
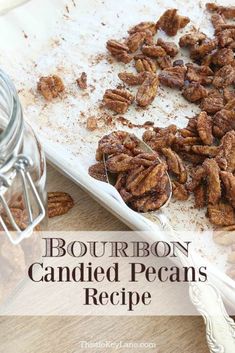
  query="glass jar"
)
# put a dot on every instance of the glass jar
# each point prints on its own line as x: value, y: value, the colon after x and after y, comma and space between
x: 22, y: 169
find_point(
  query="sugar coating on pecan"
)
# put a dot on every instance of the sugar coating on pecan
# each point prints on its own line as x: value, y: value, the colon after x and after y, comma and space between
x: 227, y: 11
x: 50, y: 86
x: 179, y: 191
x: 132, y: 79
x: 198, y: 51
x: 147, y: 91
x: 159, y: 139
x: 59, y: 203
x: 144, y: 63
x: 164, y: 62
x: 222, y: 57
x: 170, y: 22
x: 192, y: 38
x: 228, y: 180
x: 170, y: 47
x: 221, y: 214
x: 98, y: 172
x: 173, y: 76
x: 200, y: 196
x: 224, y: 76
x: 223, y: 121
x: 119, y: 50
x: 212, y: 104
x: 143, y: 27
x: 204, y: 128
x: 226, y: 156
x: 135, y: 40
x: 175, y: 165
x: 201, y: 74
x: 194, y: 92
x: 117, y: 100
x: 213, y: 180
x: 154, y: 51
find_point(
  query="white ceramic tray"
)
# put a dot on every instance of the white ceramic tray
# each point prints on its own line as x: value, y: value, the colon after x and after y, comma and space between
x: 67, y: 37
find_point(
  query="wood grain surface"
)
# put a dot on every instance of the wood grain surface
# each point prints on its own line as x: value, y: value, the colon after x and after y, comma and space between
x: 64, y: 334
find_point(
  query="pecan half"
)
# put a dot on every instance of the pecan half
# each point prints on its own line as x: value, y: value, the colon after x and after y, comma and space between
x: 224, y: 77
x: 154, y: 51
x: 228, y: 180
x: 173, y: 76
x: 170, y: 47
x: 204, y: 128
x: 227, y: 11
x: 221, y: 214
x: 223, y: 121
x: 144, y: 63
x: 190, y: 39
x: 147, y: 91
x: 199, y: 51
x: 97, y: 171
x: 201, y: 74
x: 117, y: 100
x: 212, y: 104
x: 59, y: 203
x: 213, y: 180
x: 119, y: 51
x: 160, y: 139
x: 179, y: 191
x: 223, y: 57
x: 170, y: 22
x: 175, y: 165
x: 135, y: 40
x: 226, y: 156
x: 132, y: 79
x: 194, y: 92
x: 144, y: 26
x: 164, y: 62
x: 200, y: 196
x: 50, y: 86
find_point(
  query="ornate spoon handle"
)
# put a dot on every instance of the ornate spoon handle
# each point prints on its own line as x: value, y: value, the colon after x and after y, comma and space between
x: 220, y: 328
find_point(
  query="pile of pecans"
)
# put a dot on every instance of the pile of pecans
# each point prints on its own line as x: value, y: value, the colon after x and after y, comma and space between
x: 200, y: 157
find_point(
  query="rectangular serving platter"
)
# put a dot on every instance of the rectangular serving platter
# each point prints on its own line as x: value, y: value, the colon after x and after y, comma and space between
x: 67, y: 37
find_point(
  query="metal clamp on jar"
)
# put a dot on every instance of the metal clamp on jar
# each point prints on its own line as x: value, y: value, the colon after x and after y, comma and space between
x: 22, y: 169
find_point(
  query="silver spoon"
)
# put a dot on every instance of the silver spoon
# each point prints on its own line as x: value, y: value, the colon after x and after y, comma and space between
x: 220, y: 328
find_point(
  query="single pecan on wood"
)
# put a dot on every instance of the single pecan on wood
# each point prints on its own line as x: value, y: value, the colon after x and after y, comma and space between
x: 119, y: 50
x: 59, y: 203
x: 117, y: 100
x: 50, y: 86
x: 147, y: 91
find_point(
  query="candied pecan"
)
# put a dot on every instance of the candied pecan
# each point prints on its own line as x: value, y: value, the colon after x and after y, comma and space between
x: 164, y: 62
x: 193, y: 158
x: 230, y: 105
x: 191, y: 128
x: 199, y: 51
x: 226, y: 37
x: 144, y: 63
x: 209, y: 151
x: 91, y: 123
x: 197, y: 177
x: 119, y: 51
x: 213, y: 180
x: 175, y: 165
x: 217, y: 21
x: 169, y: 47
x: 170, y: 22
x: 226, y: 156
x: 221, y: 214
x: 150, y: 202
x: 212, y: 104
x: 82, y: 81
x: 186, y: 141
x: 194, y: 92
x: 200, y: 74
x: 173, y: 76
x: 132, y: 79
x: 223, y: 121
x: 227, y: 11
x: 223, y: 57
x: 117, y: 142
x: 224, y: 76
x: 154, y: 51
x: 200, y: 196
x: 148, y: 180
x: 135, y: 40
x: 159, y: 139
x: 228, y: 180
x: 123, y: 162
x: 50, y: 86
x: 190, y: 39
x: 98, y: 172
x: 204, y: 128
x: 228, y: 94
x: 20, y: 217
x: 117, y: 100
x: 147, y: 91
x: 179, y: 191
x: 59, y: 203
x: 143, y: 27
